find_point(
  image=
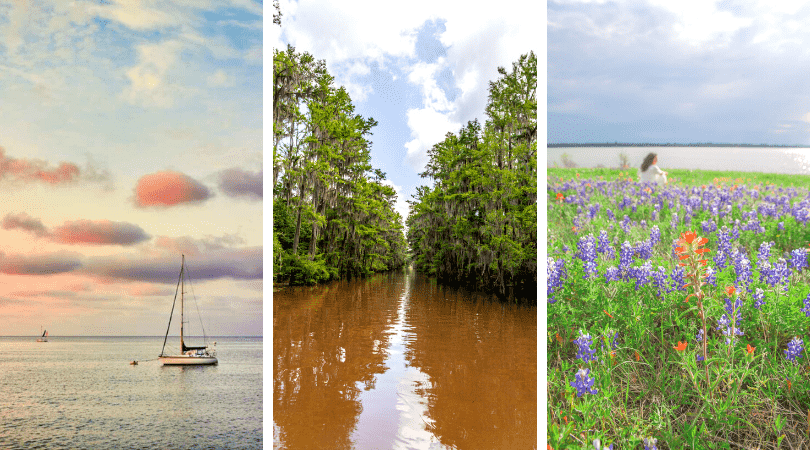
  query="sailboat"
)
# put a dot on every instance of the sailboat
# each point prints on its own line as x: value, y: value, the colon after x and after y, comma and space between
x: 44, y: 337
x: 189, y: 356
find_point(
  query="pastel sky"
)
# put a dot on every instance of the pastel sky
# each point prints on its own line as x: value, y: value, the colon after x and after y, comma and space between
x: 420, y: 68
x: 130, y: 133
x: 685, y: 71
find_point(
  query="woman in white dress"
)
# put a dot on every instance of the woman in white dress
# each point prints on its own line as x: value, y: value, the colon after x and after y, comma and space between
x: 650, y: 172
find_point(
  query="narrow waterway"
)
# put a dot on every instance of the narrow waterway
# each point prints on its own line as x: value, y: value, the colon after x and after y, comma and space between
x: 396, y: 361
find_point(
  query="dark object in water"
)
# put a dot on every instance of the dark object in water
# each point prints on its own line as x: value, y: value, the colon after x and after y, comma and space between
x: 133, y: 363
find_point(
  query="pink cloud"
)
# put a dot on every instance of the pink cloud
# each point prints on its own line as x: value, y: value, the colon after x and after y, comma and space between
x: 169, y: 189
x: 101, y: 232
x: 45, y: 264
x: 24, y: 222
x: 36, y: 170
x: 240, y: 183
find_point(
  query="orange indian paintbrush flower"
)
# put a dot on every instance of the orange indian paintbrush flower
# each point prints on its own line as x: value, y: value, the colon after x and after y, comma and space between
x: 681, y: 346
x: 750, y: 349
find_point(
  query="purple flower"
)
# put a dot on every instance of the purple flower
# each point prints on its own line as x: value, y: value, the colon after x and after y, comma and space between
x: 612, y: 274
x: 655, y: 235
x: 584, y: 350
x: 597, y: 444
x: 649, y: 443
x: 659, y: 280
x: 583, y: 383
x: 806, y: 309
x: 781, y: 226
x: 798, y: 259
x: 764, y: 252
x: 711, y: 276
x: 586, y: 251
x: 794, y: 350
x: 604, y: 244
x: 556, y: 273
x: 729, y: 323
x: 759, y: 296
x: 677, y: 277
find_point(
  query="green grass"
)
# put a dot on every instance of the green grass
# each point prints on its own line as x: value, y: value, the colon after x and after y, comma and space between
x: 646, y: 388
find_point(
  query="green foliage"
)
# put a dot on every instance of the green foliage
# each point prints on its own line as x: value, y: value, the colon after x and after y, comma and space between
x: 477, y: 225
x: 333, y: 213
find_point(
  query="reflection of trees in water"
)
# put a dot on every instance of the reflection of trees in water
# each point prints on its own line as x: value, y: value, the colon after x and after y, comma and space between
x: 481, y: 358
x: 327, y: 340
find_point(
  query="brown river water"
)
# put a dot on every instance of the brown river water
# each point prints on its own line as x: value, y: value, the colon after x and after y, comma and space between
x: 396, y: 361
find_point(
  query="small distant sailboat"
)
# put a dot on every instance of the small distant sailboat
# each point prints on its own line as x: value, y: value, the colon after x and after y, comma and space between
x: 189, y: 356
x: 44, y: 337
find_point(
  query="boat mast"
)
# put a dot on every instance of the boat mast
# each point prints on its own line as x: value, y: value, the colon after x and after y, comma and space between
x: 182, y: 288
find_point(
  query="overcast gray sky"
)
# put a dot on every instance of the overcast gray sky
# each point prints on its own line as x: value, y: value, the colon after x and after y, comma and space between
x: 679, y: 71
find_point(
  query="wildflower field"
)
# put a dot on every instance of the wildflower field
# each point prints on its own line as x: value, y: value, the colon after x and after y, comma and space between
x: 678, y: 315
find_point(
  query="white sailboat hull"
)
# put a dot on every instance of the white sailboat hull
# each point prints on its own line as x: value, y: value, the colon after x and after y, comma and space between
x: 186, y: 360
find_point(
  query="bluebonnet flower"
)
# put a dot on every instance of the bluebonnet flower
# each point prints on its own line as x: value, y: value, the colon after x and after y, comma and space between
x: 626, y: 224
x: 798, y: 259
x: 643, y: 249
x: 742, y: 268
x: 699, y: 336
x: 556, y: 273
x: 806, y: 309
x: 759, y: 296
x: 659, y: 280
x: 614, y: 341
x: 794, y: 350
x: 677, y: 277
x: 584, y: 350
x: 597, y: 445
x: 593, y: 210
x: 642, y: 274
x: 708, y: 226
x: 649, y: 443
x: 565, y: 248
x: 586, y: 251
x: 729, y: 323
x: 711, y: 276
x: 783, y: 271
x: 612, y: 274
x: 655, y: 235
x: 764, y: 252
x: 673, y: 221
x: 604, y: 244
x: 583, y: 383
x: 610, y: 215
x: 625, y: 258
x: 781, y: 226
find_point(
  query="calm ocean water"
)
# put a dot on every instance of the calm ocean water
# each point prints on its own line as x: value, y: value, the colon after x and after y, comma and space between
x: 745, y: 159
x: 82, y: 393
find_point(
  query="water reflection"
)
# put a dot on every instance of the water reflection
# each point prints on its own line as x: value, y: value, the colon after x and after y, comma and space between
x: 329, y: 343
x: 481, y: 360
x: 398, y: 362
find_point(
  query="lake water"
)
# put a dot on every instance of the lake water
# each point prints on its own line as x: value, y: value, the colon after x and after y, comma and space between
x: 81, y: 392
x: 794, y: 161
x: 396, y: 361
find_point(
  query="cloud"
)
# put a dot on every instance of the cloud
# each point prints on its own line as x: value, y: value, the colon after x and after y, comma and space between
x: 102, y: 232
x: 23, y: 221
x: 169, y: 189
x: 428, y: 127
x: 243, y: 264
x: 195, y: 247
x: 149, y: 82
x: 240, y: 183
x: 43, y: 264
x: 36, y: 170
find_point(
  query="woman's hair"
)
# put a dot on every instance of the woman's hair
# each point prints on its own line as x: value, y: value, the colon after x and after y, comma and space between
x: 648, y: 160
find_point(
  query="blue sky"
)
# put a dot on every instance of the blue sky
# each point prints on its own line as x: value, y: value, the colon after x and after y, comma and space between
x: 130, y: 133
x: 421, y: 69
x: 688, y: 71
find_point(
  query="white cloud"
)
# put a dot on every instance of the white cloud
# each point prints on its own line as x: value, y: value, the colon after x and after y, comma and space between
x: 428, y: 127
x: 149, y: 83
x: 219, y: 78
